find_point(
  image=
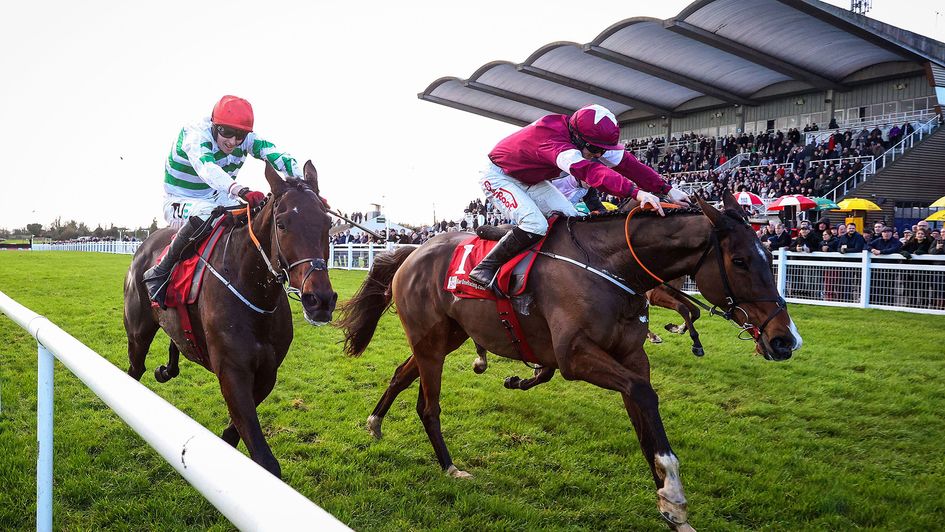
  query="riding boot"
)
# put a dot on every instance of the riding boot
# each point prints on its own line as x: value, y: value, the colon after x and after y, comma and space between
x: 157, y: 277
x: 510, y: 245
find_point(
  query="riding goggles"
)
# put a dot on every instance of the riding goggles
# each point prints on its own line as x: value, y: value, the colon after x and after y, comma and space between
x: 229, y: 132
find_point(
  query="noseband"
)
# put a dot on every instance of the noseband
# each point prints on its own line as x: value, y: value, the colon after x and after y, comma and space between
x: 732, y: 302
x: 281, y: 275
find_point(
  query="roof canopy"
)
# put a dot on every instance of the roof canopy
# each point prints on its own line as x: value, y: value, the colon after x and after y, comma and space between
x: 714, y: 53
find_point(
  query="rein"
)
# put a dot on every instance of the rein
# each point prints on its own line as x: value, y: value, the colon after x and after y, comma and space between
x: 733, y: 302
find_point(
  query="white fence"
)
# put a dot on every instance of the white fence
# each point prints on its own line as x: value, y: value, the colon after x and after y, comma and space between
x: 249, y: 496
x: 855, y: 280
x: 860, y: 280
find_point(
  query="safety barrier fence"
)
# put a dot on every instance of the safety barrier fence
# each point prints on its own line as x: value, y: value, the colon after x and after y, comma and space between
x: 246, y: 494
x: 858, y: 280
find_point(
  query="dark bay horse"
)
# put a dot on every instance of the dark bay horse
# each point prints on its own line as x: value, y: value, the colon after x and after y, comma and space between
x: 578, y: 323
x: 662, y: 296
x: 244, y: 346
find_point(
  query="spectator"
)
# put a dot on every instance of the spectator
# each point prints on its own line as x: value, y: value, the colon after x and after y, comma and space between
x: 920, y: 244
x: 938, y: 243
x: 906, y: 235
x: 781, y: 238
x: 885, y: 244
x: 829, y: 241
x: 851, y: 241
x: 805, y: 241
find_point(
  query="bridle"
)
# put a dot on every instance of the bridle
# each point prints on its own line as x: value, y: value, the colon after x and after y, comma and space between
x: 733, y: 303
x: 281, y: 274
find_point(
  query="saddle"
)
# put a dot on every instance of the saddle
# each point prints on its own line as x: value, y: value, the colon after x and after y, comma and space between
x: 510, y: 282
x: 187, y: 277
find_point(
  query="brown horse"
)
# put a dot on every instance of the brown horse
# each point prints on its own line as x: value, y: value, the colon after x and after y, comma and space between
x: 244, y: 346
x: 578, y: 322
x: 664, y: 297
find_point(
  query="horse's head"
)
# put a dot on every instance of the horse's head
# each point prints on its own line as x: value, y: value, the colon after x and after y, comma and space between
x: 735, y: 275
x: 300, y: 226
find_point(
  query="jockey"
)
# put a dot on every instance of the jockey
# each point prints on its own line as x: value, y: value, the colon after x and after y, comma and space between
x: 583, y: 145
x: 200, y: 175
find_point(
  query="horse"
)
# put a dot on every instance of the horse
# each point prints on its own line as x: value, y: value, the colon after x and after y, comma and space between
x: 577, y: 322
x: 670, y: 297
x: 243, y: 322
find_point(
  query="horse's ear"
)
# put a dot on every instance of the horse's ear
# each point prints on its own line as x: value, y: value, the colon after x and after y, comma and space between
x: 715, y: 216
x: 276, y: 183
x: 311, y: 175
x: 730, y: 203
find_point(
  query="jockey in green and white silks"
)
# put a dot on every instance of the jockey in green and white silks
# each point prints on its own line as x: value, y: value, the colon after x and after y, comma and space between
x: 200, y: 175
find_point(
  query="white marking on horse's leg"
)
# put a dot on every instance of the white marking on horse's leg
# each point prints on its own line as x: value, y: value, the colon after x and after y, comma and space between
x: 798, y: 341
x: 455, y: 472
x: 374, y: 426
x: 672, y: 498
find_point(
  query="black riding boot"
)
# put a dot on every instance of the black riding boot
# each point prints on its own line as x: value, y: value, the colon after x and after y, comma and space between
x: 510, y: 245
x: 157, y: 277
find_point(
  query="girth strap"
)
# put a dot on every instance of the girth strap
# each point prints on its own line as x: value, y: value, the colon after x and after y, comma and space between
x: 509, y: 320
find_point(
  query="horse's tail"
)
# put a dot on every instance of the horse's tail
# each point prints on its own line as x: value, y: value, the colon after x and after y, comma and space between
x: 360, y: 314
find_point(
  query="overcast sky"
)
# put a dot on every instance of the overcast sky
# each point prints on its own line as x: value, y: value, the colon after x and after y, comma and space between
x: 94, y: 93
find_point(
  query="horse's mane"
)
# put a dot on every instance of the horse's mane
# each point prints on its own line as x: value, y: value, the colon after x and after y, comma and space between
x: 738, y: 217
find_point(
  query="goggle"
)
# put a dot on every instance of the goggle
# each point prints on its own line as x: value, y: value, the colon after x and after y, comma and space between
x: 228, y: 132
x: 594, y: 150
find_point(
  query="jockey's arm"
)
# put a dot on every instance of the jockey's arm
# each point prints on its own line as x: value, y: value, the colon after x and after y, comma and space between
x: 646, y: 177
x: 268, y: 152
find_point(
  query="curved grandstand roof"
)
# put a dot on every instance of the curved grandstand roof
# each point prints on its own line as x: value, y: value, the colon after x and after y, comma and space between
x: 713, y: 53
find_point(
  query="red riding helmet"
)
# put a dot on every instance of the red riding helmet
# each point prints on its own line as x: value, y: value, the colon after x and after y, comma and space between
x: 597, y: 126
x: 234, y: 112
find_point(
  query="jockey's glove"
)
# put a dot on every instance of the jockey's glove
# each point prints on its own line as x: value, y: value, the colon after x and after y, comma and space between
x: 679, y: 197
x: 252, y: 197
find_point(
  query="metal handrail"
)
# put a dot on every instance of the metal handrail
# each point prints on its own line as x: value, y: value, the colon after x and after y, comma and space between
x: 868, y: 170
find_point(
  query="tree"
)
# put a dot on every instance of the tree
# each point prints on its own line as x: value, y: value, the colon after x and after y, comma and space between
x: 34, y: 229
x: 154, y: 225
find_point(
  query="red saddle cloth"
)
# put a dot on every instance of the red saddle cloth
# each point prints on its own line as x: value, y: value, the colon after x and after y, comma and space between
x: 186, y: 279
x: 469, y: 253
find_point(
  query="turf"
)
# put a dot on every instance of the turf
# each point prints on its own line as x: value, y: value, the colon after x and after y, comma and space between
x: 847, y: 434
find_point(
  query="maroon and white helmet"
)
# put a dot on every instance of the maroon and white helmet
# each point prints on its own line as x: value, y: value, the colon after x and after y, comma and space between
x: 597, y: 126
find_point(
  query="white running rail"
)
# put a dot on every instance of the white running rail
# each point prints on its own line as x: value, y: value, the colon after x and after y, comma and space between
x: 246, y: 494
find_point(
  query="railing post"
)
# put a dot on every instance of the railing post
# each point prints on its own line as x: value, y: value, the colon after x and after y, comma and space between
x: 44, y: 439
x: 350, y: 257
x: 331, y: 255
x: 865, y: 281
x: 782, y: 271
x: 370, y: 256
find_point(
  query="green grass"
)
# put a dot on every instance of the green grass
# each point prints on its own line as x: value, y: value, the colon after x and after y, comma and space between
x: 847, y: 434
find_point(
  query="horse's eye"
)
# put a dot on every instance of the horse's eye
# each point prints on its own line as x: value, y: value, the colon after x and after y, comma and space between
x: 281, y: 226
x: 740, y: 263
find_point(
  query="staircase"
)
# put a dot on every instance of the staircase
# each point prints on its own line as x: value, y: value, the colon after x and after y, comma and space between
x: 912, y: 170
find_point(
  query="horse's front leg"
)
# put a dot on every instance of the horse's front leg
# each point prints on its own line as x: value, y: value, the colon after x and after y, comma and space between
x: 238, y: 385
x: 541, y: 376
x: 588, y: 362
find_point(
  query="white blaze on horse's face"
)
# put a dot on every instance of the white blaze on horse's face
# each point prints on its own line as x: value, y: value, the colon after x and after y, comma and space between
x: 798, y: 341
x: 761, y: 251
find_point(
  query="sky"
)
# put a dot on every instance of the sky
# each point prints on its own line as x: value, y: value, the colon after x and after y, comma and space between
x: 94, y: 93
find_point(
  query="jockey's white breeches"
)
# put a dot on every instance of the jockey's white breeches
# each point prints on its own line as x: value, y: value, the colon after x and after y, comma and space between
x: 526, y: 205
x: 178, y: 210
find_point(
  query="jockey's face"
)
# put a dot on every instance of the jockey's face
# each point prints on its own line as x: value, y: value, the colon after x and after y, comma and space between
x: 588, y: 154
x: 227, y: 145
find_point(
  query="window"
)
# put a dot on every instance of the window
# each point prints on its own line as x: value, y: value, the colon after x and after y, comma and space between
x: 907, y: 106
x: 838, y: 114
x: 876, y: 110
x: 921, y: 104
x: 890, y: 108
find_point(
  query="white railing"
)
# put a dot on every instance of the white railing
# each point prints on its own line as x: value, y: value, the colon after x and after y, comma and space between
x: 882, y: 161
x: 122, y: 247
x: 860, y: 280
x: 856, y: 280
x: 884, y: 122
x: 246, y: 494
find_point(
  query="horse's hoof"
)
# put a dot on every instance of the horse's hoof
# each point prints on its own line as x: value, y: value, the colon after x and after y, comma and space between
x: 685, y: 527
x: 454, y: 472
x: 160, y: 374
x: 698, y: 351
x: 655, y: 339
x: 374, y: 426
x: 512, y: 382
x: 674, y: 510
x: 480, y: 365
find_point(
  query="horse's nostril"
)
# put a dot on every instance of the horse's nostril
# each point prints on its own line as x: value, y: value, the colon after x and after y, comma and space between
x: 309, y: 300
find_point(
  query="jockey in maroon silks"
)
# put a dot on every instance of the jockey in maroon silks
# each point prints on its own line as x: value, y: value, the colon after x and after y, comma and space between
x: 584, y: 145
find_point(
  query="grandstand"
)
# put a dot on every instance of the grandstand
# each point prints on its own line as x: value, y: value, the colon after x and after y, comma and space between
x: 778, y: 96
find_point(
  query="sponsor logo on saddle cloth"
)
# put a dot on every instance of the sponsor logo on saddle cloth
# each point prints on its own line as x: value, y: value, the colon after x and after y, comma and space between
x: 470, y: 252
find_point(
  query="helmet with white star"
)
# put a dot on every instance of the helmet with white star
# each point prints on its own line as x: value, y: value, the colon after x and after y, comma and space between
x: 596, y: 126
